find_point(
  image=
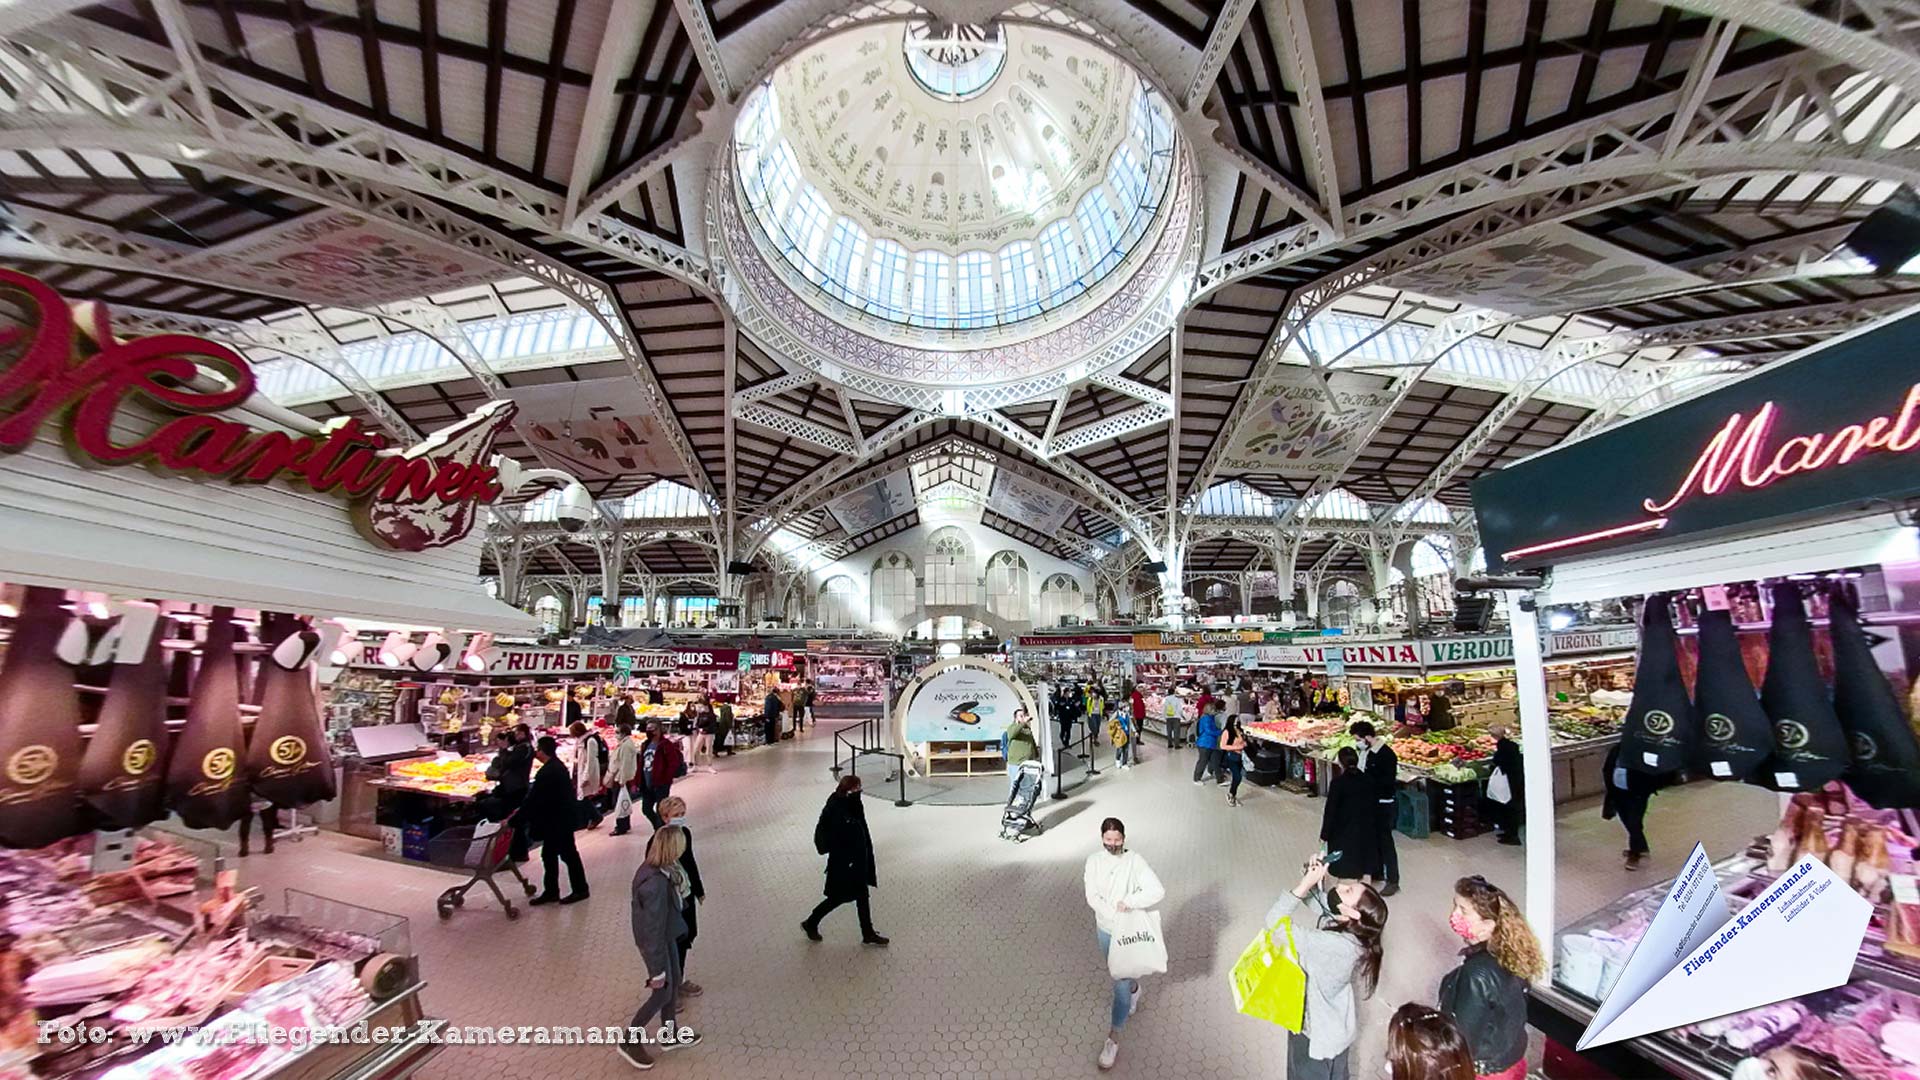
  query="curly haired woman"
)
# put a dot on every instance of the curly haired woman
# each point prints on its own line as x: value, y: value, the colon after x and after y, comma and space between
x: 1487, y: 994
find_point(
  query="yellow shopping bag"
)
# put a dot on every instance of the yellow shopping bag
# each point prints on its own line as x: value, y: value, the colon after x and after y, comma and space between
x: 1268, y: 982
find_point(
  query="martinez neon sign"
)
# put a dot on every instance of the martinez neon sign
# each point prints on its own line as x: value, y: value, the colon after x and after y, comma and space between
x: 71, y: 371
x: 1740, y: 457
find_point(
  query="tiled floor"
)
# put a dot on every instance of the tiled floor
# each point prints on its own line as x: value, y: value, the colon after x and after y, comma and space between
x: 993, y: 969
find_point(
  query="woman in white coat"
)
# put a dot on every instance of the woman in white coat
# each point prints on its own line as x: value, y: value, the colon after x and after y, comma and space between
x: 1118, y: 880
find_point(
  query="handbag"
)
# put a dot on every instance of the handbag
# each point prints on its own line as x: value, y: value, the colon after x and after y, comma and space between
x: 1499, y: 788
x: 1268, y: 982
x: 1137, y: 948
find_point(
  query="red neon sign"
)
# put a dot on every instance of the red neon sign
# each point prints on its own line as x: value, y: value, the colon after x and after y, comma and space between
x: 1738, y: 458
x: 77, y: 374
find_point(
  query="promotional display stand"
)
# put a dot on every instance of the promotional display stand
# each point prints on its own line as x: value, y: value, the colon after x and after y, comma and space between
x: 1783, y: 487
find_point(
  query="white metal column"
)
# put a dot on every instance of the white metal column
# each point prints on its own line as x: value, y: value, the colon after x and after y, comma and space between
x: 1536, y: 757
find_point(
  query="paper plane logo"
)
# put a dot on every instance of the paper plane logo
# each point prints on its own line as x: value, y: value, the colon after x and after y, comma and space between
x: 1699, y: 960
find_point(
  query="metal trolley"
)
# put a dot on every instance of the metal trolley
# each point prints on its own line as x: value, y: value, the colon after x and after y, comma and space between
x: 482, y: 849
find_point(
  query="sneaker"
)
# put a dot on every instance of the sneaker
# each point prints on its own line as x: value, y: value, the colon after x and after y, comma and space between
x: 691, y: 989
x: 812, y: 931
x: 1133, y: 1003
x: 876, y: 941
x: 632, y: 1054
x: 575, y: 897
x: 1109, y: 1054
x: 1390, y: 888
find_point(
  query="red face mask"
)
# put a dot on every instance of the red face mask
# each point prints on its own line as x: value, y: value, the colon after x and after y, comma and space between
x: 1458, y: 923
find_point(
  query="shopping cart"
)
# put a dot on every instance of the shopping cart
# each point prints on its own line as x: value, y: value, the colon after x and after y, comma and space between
x: 483, y: 849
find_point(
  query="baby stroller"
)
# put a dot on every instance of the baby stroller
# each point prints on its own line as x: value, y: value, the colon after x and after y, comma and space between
x: 1017, y: 822
x: 483, y: 849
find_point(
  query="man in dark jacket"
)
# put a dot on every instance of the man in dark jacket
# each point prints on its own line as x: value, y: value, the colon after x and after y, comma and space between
x: 660, y: 762
x: 511, y: 771
x: 1506, y: 762
x: 626, y: 713
x: 1382, y: 767
x: 841, y: 835
x: 1628, y: 792
x: 551, y: 815
x: 770, y: 716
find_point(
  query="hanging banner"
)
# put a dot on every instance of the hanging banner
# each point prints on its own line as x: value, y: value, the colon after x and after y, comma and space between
x: 598, y: 429
x: 876, y: 504
x: 1197, y: 639
x: 338, y: 257
x: 965, y: 699
x: 1026, y: 502
x: 1298, y: 432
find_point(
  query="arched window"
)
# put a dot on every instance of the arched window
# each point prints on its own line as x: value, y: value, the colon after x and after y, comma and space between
x: 1007, y: 587
x: 1059, y: 597
x: 549, y: 610
x: 839, y: 599
x: 894, y: 591
x: 950, y: 577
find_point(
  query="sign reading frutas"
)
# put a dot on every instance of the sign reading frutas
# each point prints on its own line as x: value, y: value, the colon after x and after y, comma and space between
x: 72, y: 372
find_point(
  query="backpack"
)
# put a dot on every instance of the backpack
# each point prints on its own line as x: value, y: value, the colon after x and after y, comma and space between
x: 1117, y: 732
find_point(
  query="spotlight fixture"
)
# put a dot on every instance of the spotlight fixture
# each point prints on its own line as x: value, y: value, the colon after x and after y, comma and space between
x: 479, y: 655
x: 396, y: 649
x: 342, y: 645
x: 1559, y: 620
x: 433, y: 652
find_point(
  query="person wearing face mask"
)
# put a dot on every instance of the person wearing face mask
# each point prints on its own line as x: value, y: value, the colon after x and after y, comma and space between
x: 1424, y: 1045
x: 674, y: 809
x: 1487, y: 994
x: 1382, y: 767
x: 1340, y: 954
x: 1118, y: 880
x: 1790, y: 1063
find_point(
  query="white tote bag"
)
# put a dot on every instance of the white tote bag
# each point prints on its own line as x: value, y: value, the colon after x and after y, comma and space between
x: 1137, y: 949
x: 1499, y: 788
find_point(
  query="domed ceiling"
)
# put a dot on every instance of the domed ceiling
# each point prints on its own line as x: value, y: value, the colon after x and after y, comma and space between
x: 909, y: 163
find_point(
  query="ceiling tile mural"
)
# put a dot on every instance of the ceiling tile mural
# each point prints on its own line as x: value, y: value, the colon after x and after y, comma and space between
x: 343, y: 258
x: 1030, y: 504
x: 1305, y: 428
x: 875, y: 504
x: 1547, y: 268
x: 596, y: 429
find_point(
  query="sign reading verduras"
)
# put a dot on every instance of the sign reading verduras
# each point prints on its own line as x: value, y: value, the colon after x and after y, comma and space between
x: 154, y: 401
x: 1305, y: 428
x: 965, y: 699
x: 1833, y: 430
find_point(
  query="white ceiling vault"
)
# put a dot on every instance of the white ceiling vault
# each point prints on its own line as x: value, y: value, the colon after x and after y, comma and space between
x: 1483, y: 226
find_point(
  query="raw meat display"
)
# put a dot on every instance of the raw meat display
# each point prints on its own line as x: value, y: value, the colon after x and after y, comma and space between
x: 1885, y: 765
x: 39, y: 729
x: 287, y: 760
x: 1809, y: 749
x: 1660, y: 730
x: 123, y: 775
x: 1736, y: 737
x: 204, y: 782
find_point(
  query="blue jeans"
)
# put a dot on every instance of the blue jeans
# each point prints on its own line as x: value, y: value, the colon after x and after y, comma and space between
x: 1123, y: 754
x: 1122, y: 988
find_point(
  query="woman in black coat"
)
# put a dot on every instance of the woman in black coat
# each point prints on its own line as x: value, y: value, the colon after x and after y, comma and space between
x: 1347, y: 823
x: 842, y: 837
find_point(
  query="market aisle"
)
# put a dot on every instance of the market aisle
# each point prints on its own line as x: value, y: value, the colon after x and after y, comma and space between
x: 993, y: 970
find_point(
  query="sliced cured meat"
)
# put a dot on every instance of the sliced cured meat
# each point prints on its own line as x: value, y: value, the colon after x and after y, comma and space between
x: 39, y: 730
x: 1735, y: 737
x: 288, y: 759
x: 1809, y: 749
x: 1885, y: 758
x: 123, y: 775
x: 1660, y: 733
x: 205, y: 783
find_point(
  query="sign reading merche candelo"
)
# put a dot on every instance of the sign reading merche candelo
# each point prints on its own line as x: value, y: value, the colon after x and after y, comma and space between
x: 64, y: 368
x: 1833, y: 430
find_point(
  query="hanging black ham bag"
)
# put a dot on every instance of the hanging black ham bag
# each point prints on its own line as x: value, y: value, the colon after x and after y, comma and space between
x: 205, y: 784
x: 1886, y: 758
x: 1735, y: 735
x: 123, y: 775
x: 287, y: 760
x: 39, y: 729
x: 1809, y: 749
x: 1660, y: 733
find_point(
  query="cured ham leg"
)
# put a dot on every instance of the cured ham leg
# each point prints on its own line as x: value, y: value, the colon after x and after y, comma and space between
x: 123, y: 775
x: 288, y: 759
x: 39, y: 730
x: 205, y: 784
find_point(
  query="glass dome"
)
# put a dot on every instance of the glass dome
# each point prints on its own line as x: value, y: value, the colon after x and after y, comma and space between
x: 953, y: 177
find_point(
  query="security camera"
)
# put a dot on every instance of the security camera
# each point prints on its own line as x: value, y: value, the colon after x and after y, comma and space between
x: 574, y: 510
